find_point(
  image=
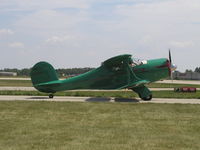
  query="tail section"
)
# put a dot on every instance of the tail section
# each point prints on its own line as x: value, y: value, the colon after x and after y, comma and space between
x: 42, y: 73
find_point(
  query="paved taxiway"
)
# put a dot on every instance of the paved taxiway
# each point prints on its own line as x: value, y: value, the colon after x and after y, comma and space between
x: 196, y: 82
x: 94, y: 99
x: 91, y: 99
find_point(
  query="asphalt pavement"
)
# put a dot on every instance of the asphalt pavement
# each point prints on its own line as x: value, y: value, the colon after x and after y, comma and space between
x: 94, y: 99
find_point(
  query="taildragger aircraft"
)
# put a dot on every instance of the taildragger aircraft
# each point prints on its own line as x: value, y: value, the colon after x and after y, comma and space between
x: 118, y: 72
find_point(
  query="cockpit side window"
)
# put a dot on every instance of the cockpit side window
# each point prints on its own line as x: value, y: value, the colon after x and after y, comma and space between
x: 137, y: 62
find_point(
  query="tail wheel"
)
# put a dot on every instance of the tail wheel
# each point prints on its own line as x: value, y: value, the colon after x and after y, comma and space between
x: 148, y: 98
x: 51, y: 95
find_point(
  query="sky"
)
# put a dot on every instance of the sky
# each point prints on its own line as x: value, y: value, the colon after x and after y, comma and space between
x: 84, y: 33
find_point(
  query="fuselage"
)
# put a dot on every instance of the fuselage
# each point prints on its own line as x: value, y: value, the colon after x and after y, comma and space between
x: 154, y: 70
x: 112, y: 78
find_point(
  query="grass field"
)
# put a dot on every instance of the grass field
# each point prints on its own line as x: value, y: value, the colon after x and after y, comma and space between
x: 120, y: 94
x: 117, y: 94
x: 16, y: 83
x: 98, y: 126
x: 168, y: 85
x: 27, y: 83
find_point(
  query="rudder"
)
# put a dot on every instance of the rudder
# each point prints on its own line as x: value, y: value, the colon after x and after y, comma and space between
x: 43, y: 72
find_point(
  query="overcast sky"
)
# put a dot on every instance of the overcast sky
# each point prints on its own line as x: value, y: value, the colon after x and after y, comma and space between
x: 83, y: 33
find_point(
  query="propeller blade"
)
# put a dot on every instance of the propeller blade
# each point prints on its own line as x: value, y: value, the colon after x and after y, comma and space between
x: 170, y: 58
x: 172, y: 66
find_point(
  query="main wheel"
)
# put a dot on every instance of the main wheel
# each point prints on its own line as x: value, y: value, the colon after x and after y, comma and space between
x: 148, y: 98
x: 50, y: 95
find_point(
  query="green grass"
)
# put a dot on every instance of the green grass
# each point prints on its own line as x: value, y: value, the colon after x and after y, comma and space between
x: 14, y: 77
x: 98, y: 126
x: 179, y: 95
x: 122, y: 94
x: 168, y: 85
x: 16, y: 83
x: 117, y: 94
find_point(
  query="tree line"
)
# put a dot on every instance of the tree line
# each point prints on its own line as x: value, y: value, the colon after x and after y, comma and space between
x: 20, y: 72
x: 197, y: 69
x: 61, y: 72
x: 65, y: 72
x: 72, y: 71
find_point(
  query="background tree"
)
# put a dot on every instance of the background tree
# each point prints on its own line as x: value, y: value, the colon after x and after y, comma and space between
x: 188, y: 70
x: 61, y: 72
x: 197, y: 69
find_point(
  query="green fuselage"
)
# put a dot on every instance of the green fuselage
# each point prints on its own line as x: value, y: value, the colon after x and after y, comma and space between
x: 114, y: 76
x: 154, y: 70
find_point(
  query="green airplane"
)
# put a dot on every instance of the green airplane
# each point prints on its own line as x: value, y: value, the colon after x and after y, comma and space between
x: 118, y: 72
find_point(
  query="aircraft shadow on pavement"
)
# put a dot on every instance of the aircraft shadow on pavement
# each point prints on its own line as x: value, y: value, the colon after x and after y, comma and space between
x: 38, y: 97
x: 93, y: 99
x: 126, y: 100
x: 98, y: 99
x: 101, y: 99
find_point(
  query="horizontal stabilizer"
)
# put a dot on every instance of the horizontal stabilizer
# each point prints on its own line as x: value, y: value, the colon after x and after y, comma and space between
x: 55, y: 83
x: 48, y: 87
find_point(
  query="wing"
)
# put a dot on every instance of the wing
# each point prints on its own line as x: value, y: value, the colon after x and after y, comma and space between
x: 117, y: 61
x: 118, y: 73
x: 124, y: 76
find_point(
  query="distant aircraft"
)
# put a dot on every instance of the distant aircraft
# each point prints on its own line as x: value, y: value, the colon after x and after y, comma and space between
x: 118, y: 72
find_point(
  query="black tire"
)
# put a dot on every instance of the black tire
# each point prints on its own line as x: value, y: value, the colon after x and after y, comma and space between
x: 147, y: 98
x: 51, y: 95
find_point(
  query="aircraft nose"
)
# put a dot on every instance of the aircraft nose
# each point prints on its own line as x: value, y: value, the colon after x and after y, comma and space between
x: 173, y: 67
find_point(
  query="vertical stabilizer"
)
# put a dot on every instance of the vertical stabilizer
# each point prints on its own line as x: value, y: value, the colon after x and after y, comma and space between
x: 43, y: 72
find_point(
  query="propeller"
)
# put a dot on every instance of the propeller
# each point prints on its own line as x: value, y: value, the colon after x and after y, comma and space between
x: 170, y: 57
x: 173, y: 67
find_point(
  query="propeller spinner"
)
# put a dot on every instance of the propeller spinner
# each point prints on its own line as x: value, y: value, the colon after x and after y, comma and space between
x: 173, y: 67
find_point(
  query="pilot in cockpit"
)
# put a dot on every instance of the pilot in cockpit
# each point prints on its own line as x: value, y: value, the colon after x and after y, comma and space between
x: 136, y: 62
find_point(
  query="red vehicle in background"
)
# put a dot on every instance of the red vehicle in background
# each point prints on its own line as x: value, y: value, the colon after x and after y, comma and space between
x: 185, y: 89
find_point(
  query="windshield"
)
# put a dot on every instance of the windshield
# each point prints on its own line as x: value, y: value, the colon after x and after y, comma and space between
x: 137, y: 62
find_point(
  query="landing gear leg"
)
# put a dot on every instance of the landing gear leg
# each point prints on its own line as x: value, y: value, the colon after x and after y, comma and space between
x: 143, y: 93
x: 51, y: 95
